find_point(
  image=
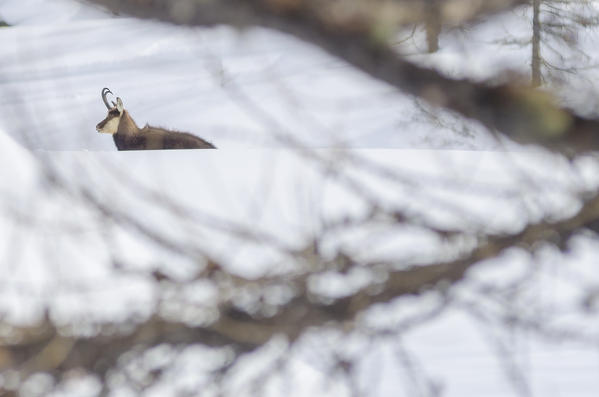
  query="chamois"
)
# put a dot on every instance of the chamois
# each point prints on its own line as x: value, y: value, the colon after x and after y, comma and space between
x: 128, y: 136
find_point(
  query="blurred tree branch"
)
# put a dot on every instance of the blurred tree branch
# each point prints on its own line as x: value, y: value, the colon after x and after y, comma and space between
x: 50, y: 348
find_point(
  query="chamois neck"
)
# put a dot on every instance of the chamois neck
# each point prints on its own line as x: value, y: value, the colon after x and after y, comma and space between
x: 126, y: 124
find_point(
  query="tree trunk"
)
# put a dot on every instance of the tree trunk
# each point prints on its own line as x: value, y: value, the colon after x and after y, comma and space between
x: 432, y: 26
x: 536, y: 44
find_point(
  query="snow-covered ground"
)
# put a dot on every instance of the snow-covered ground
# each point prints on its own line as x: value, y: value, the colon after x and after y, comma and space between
x: 53, y: 249
x: 189, y: 79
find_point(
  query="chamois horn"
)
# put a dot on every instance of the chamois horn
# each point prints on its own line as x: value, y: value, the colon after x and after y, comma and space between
x: 104, y: 92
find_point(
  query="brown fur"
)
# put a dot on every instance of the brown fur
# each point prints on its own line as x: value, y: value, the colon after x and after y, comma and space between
x: 130, y: 137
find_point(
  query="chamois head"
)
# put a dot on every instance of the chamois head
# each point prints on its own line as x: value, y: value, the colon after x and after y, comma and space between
x: 110, y: 124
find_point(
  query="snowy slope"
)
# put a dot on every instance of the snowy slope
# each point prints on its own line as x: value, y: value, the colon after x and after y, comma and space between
x: 58, y: 250
x: 190, y: 79
x: 47, y: 12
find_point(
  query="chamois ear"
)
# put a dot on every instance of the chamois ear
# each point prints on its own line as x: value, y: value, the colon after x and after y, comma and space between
x: 119, y: 105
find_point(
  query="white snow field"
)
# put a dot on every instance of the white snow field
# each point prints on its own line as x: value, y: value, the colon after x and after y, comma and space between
x: 57, y: 251
x: 189, y: 79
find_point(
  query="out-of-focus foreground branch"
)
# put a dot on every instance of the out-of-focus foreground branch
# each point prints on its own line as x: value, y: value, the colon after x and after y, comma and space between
x: 55, y: 349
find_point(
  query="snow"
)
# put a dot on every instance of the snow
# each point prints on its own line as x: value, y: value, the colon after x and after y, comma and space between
x: 189, y: 79
x: 44, y: 12
x: 56, y: 250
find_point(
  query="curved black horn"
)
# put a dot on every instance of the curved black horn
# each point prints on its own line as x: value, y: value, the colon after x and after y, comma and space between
x: 104, y: 92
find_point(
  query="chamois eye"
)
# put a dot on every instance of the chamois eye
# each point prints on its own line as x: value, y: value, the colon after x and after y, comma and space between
x: 114, y: 112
